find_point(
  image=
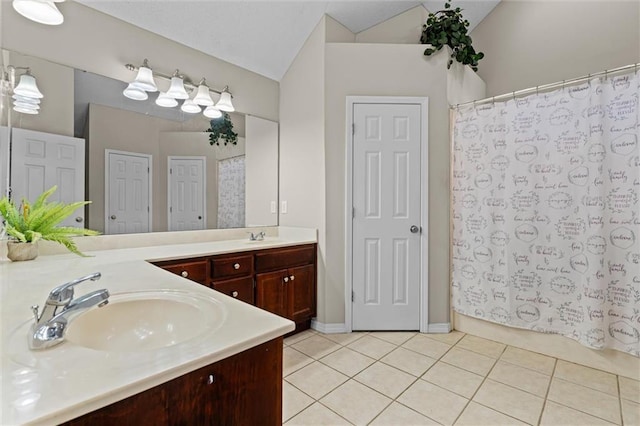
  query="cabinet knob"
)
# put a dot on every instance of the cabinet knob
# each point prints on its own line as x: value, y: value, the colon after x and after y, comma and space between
x: 292, y: 277
x: 236, y: 266
x: 210, y: 379
x: 286, y: 279
x: 184, y: 274
x: 234, y: 294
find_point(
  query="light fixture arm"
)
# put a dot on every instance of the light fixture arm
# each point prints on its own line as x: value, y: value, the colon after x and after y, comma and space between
x: 188, y: 82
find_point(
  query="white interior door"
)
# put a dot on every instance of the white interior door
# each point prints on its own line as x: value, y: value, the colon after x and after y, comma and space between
x: 187, y: 193
x: 41, y: 160
x: 387, y: 216
x: 127, y: 192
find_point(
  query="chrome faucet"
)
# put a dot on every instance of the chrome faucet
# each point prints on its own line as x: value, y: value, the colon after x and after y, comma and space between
x: 259, y: 236
x: 49, y: 327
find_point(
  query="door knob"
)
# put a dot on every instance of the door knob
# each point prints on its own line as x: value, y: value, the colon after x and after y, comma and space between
x: 236, y: 266
x: 78, y: 219
x: 286, y: 279
x: 234, y: 294
x: 113, y: 217
x: 199, y: 217
x: 184, y: 274
x: 414, y: 229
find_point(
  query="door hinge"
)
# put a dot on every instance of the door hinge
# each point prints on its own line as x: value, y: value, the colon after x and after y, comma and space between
x: 353, y: 129
x: 353, y: 296
x: 148, y: 170
x: 353, y: 213
x: 170, y: 209
x: 148, y: 209
x: 170, y: 171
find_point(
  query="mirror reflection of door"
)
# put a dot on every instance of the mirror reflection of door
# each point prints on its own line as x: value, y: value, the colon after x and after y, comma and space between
x: 127, y: 192
x: 187, y: 193
x: 41, y: 160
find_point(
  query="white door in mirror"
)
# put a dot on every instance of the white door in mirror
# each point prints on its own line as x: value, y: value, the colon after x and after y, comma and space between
x: 187, y: 193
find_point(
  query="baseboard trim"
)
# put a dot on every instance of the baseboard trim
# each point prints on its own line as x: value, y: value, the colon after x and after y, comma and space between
x: 441, y: 328
x: 328, y: 328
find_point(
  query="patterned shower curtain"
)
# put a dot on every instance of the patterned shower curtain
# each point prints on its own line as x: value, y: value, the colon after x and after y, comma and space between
x: 231, y: 193
x: 546, y: 212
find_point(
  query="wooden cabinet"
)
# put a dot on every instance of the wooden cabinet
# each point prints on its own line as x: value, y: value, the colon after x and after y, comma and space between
x: 279, y: 280
x: 193, y: 269
x: 286, y: 283
x: 244, y: 389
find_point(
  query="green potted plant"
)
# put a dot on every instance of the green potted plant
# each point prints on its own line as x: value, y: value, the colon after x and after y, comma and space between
x: 222, y: 128
x: 448, y: 28
x: 29, y: 223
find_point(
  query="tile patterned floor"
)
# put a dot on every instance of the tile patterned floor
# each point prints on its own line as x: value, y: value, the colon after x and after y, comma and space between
x: 401, y: 378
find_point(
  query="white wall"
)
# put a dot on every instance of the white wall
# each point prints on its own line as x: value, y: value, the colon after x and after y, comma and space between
x: 93, y: 41
x: 302, y: 160
x: 261, y: 159
x: 404, y: 28
x: 531, y: 43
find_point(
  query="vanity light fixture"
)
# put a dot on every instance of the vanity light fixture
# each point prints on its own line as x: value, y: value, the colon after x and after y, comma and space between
x: 26, y: 95
x: 177, y: 90
x: 189, y: 106
x: 166, y: 101
x: 224, y: 103
x: 212, y: 112
x: 203, y: 97
x: 40, y: 11
x: 180, y: 87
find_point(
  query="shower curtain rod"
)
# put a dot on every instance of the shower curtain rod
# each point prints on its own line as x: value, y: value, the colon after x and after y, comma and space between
x: 537, y: 89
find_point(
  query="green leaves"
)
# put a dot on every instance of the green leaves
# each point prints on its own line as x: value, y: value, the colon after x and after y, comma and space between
x: 40, y: 220
x: 222, y: 128
x: 448, y: 28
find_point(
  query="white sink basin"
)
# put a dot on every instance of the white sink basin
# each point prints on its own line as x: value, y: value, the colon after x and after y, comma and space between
x: 143, y: 321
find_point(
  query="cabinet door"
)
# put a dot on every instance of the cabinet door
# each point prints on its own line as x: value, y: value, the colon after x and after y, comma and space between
x: 245, y: 389
x: 271, y: 293
x: 301, y: 293
x: 240, y: 288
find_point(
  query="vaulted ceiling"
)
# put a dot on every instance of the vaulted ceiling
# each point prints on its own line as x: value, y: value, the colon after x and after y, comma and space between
x: 261, y: 35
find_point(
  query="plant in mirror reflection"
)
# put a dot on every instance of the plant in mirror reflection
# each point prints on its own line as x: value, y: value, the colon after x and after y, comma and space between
x: 222, y: 128
x: 40, y: 221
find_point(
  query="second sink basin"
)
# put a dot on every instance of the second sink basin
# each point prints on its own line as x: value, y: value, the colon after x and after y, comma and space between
x: 142, y: 321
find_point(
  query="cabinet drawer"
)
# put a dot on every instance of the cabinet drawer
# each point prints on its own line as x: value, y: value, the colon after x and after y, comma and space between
x: 229, y: 267
x: 195, y: 271
x: 240, y: 288
x: 283, y: 258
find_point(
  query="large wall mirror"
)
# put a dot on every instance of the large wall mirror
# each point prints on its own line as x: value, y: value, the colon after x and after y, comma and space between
x: 144, y: 167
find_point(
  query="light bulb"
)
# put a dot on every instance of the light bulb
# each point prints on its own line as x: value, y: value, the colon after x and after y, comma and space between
x: 144, y: 80
x: 40, y: 11
x: 27, y: 87
x: 166, y: 101
x: 135, y: 93
x: 212, y: 112
x: 176, y: 90
x: 203, y: 97
x: 189, y: 106
x: 224, y: 103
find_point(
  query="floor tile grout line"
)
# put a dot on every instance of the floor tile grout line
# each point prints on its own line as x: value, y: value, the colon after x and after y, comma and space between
x: 546, y: 394
x: 484, y: 379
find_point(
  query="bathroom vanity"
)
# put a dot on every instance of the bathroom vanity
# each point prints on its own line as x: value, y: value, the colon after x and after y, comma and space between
x: 227, y: 369
x: 280, y: 280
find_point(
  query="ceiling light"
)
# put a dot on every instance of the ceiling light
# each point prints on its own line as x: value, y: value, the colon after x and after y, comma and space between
x: 190, y: 107
x: 212, y: 112
x: 224, y: 103
x: 27, y: 87
x: 166, y: 101
x: 135, y: 93
x: 177, y: 91
x: 144, y: 80
x: 203, y: 97
x: 40, y: 11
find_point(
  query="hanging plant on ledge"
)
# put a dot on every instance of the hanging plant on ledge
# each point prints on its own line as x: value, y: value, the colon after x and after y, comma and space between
x: 222, y: 128
x: 448, y: 27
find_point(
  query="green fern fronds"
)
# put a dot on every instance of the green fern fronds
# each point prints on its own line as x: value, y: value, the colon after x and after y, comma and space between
x: 40, y: 220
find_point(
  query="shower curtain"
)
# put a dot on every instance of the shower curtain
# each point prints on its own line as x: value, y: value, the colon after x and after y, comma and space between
x: 231, y: 193
x: 546, y: 212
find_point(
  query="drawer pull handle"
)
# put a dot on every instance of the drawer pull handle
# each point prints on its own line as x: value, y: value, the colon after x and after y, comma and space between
x: 236, y: 266
x: 293, y: 277
x: 184, y: 274
x: 286, y: 279
x: 210, y: 379
x: 234, y: 294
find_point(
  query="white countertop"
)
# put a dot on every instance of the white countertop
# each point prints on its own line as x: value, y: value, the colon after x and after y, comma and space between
x: 66, y: 381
